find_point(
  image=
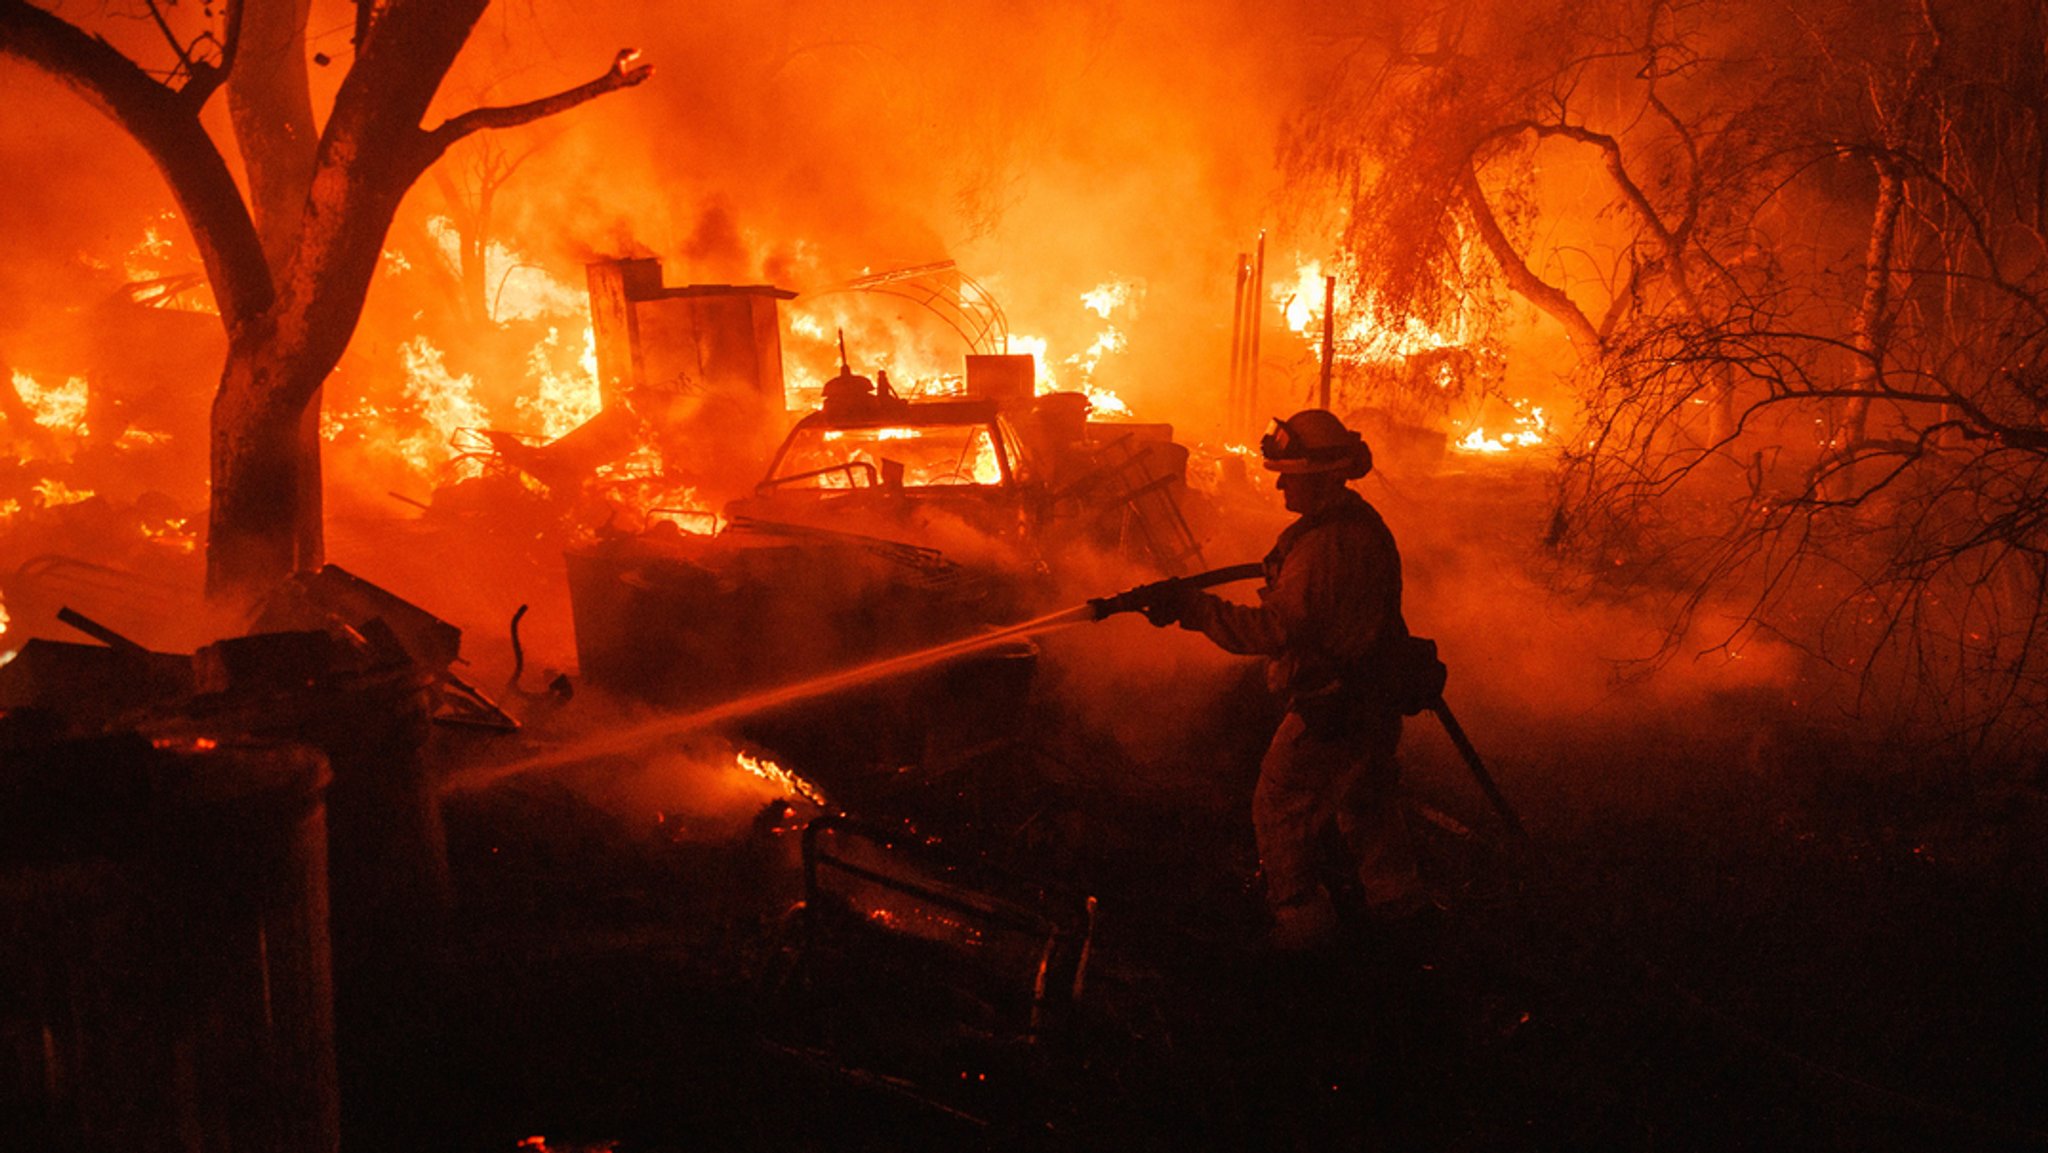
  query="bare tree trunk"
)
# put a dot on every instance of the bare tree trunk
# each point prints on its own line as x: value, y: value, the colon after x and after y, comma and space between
x: 271, y: 108
x: 1868, y: 331
x: 291, y: 296
x: 254, y: 530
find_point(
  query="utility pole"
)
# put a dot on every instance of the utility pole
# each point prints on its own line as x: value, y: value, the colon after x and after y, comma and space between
x: 1232, y: 401
x: 1329, y: 340
x: 1241, y: 402
x: 1254, y: 314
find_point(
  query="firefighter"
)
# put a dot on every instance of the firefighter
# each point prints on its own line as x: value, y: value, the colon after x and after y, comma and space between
x: 1331, y: 606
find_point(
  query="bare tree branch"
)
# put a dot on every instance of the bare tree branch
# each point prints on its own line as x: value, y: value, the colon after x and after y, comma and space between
x: 178, y: 48
x: 623, y: 74
x: 1520, y: 277
x: 168, y: 129
x: 208, y: 76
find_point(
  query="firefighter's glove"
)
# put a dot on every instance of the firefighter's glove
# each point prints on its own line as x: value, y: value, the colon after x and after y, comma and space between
x: 1166, y: 602
x: 1162, y: 602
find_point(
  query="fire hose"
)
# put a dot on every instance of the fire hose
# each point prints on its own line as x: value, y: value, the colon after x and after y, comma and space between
x: 1430, y: 700
x: 1136, y: 599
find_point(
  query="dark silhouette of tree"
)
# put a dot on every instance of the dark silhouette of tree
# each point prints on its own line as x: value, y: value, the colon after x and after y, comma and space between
x: 290, y: 265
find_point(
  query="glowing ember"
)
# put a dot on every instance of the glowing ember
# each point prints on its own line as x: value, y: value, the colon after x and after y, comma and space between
x: 173, y: 534
x: 1529, y: 431
x: 53, y: 492
x: 789, y: 783
x: 142, y: 438
x: 926, y: 922
x: 60, y: 407
x: 635, y: 482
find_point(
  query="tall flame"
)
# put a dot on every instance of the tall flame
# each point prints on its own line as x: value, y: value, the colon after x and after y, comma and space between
x: 1363, y: 333
x: 562, y: 400
x: 446, y: 402
x: 519, y: 289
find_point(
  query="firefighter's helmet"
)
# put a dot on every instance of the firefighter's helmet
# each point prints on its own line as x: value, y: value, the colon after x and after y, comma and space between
x: 1314, y: 440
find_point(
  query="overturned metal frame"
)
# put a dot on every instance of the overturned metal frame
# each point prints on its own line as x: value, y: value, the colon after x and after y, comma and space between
x: 948, y: 293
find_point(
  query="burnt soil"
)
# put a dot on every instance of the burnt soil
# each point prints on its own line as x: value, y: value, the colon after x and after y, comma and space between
x: 1737, y: 923
x: 1835, y: 953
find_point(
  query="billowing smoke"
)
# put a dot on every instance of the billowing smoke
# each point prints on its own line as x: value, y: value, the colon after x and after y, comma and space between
x: 1096, y: 168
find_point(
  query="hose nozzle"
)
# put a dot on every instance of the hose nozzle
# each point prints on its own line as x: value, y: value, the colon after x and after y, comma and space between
x: 1137, y: 600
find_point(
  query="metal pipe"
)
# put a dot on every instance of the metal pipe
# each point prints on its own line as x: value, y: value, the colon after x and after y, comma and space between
x: 97, y: 631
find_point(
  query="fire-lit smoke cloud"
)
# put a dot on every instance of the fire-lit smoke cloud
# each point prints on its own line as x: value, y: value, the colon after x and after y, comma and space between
x: 1053, y: 152
x: 1096, y: 167
x: 1066, y: 157
x: 1047, y: 149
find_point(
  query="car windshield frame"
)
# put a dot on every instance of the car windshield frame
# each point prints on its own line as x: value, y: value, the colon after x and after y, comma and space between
x: 805, y: 455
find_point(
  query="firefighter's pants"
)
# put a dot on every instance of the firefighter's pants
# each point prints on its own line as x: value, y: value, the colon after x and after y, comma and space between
x: 1304, y: 783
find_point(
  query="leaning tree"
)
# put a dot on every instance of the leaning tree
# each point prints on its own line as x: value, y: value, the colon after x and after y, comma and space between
x: 1797, y: 251
x: 290, y: 261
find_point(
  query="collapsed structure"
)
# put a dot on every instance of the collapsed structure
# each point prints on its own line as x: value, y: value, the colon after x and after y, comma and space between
x: 879, y: 523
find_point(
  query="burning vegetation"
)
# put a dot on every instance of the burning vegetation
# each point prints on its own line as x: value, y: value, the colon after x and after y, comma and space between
x: 1697, y: 344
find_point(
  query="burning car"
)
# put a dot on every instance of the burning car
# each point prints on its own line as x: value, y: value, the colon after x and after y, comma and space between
x: 881, y: 524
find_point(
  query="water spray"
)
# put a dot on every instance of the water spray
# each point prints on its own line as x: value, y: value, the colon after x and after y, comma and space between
x: 637, y: 737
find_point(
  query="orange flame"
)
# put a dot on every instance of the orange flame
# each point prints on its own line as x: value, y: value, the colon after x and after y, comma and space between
x: 789, y: 783
x: 52, y: 492
x: 57, y: 407
x: 1529, y: 430
x: 447, y: 404
x: 1363, y: 334
x: 562, y: 401
x: 173, y: 534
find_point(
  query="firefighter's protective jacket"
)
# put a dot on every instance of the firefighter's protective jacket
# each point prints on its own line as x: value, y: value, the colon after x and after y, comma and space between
x: 1332, y: 598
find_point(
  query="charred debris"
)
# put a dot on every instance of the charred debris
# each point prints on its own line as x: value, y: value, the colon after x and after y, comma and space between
x: 943, y: 856
x: 322, y: 884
